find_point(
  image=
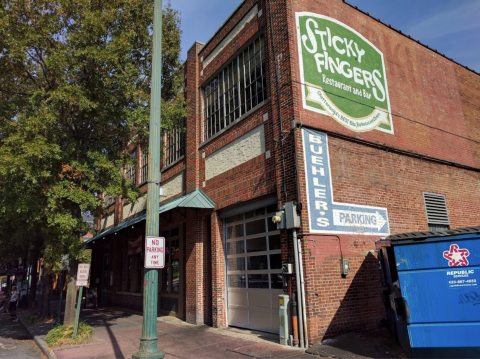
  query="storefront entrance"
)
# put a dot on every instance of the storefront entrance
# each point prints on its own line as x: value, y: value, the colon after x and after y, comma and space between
x: 171, y: 288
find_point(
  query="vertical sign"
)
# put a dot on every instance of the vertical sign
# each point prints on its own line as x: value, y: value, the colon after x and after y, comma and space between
x: 324, y: 214
x: 82, y: 274
x: 154, y: 252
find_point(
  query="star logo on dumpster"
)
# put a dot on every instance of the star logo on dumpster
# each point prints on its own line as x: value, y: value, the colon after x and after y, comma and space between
x: 456, y: 257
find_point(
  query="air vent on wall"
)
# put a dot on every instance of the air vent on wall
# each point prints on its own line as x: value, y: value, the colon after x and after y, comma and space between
x: 436, y: 208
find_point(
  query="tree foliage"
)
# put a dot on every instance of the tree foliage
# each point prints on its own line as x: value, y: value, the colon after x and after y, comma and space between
x: 74, y: 93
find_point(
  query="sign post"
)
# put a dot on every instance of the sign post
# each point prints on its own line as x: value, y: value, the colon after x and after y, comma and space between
x: 149, y: 339
x: 82, y: 280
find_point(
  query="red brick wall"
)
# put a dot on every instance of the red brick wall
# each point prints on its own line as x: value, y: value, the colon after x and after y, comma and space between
x: 425, y: 87
x: 250, y: 29
x: 194, y: 273
x: 430, y: 96
x: 370, y: 176
x: 218, y: 274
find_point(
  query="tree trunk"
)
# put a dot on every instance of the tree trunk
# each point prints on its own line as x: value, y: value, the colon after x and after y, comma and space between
x: 34, y: 277
x: 70, y: 300
x: 47, y: 280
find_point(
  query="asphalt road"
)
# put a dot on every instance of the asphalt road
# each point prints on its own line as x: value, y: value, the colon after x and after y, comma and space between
x: 15, y: 342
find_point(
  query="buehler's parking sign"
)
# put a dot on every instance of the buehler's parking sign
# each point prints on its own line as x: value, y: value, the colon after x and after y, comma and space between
x: 325, y: 215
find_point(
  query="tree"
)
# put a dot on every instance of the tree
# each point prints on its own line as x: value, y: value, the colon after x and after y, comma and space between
x: 74, y: 92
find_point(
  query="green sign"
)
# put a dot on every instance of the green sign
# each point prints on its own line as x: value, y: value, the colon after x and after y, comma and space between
x: 342, y: 74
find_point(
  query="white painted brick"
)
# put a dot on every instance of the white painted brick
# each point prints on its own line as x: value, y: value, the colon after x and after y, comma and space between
x: 250, y: 145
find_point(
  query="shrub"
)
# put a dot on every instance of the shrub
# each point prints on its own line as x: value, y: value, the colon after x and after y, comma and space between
x: 63, y: 335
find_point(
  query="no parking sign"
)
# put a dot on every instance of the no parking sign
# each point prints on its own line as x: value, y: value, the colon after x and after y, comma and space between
x: 154, y: 252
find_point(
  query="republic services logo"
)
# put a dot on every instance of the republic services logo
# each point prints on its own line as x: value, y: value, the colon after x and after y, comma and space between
x: 456, y: 257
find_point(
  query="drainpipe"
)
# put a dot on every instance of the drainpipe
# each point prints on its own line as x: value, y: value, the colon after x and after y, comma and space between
x: 302, y: 288
x: 298, y: 261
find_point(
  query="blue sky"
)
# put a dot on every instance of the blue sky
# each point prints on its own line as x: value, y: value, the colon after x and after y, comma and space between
x: 450, y: 26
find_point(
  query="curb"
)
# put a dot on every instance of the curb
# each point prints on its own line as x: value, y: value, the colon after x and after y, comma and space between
x: 42, y: 344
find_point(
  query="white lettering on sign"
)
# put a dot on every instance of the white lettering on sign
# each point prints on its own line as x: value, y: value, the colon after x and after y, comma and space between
x: 461, y: 278
x: 82, y: 274
x: 355, y: 218
x: 154, y: 252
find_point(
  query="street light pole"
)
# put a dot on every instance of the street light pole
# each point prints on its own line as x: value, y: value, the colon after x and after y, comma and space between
x: 149, y: 339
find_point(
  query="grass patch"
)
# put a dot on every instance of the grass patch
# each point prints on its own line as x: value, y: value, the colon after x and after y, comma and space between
x: 36, y: 318
x: 63, y: 335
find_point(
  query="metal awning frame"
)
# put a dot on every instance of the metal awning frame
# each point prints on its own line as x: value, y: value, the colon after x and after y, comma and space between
x: 192, y: 199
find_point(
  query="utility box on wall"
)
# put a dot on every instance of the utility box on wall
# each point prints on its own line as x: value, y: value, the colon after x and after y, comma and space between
x: 292, y: 217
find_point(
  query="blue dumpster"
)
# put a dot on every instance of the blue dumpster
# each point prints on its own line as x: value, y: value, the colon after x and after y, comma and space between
x: 432, y: 291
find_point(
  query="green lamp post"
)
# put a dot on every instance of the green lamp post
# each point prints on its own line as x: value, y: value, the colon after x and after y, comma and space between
x: 149, y: 339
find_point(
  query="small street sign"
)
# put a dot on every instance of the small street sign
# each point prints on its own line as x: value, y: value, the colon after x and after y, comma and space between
x: 82, y: 281
x: 154, y: 252
x: 82, y: 274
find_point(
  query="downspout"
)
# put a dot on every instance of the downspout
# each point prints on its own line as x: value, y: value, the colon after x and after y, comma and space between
x: 297, y: 246
x: 299, y: 295
x: 302, y: 288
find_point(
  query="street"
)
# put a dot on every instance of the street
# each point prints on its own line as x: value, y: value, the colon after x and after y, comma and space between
x: 15, y: 341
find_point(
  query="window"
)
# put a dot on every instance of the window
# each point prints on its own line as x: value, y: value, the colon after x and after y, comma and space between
x: 120, y: 271
x: 171, y: 271
x: 437, y: 214
x: 140, y: 265
x: 174, y: 145
x: 129, y: 273
x: 144, y: 166
x: 253, y: 250
x: 108, y: 200
x: 238, y: 87
x: 131, y: 171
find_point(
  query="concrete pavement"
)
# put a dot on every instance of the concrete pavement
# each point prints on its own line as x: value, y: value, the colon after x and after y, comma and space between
x: 15, y: 342
x: 117, y: 335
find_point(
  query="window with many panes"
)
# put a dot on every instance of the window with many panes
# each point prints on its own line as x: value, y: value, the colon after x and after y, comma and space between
x: 253, y: 250
x: 174, y: 145
x: 235, y: 90
x: 131, y: 170
x: 144, y: 165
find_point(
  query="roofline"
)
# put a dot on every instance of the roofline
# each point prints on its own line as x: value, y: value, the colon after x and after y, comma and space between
x: 221, y: 26
x: 411, y: 38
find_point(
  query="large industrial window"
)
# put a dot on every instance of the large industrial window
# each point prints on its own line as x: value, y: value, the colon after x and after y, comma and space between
x: 144, y: 165
x: 174, y: 145
x: 437, y: 214
x: 238, y: 87
x: 131, y: 171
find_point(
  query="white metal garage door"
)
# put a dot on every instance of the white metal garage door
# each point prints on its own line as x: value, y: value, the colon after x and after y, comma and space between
x: 253, y: 266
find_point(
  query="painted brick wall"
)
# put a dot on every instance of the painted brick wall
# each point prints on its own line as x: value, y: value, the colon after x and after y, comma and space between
x: 423, y: 86
x: 431, y: 97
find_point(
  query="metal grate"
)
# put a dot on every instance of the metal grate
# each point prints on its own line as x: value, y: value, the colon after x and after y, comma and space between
x: 235, y: 90
x: 131, y: 171
x: 436, y: 208
x: 144, y: 165
x: 174, y: 145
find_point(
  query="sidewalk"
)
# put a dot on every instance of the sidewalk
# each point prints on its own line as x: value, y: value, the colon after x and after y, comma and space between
x: 117, y: 335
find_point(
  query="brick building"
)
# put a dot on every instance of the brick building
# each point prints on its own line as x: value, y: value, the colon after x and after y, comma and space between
x: 313, y: 102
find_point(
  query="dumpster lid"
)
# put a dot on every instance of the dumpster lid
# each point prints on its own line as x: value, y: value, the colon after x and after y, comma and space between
x: 427, y: 234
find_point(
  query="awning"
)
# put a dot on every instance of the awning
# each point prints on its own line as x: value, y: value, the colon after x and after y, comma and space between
x: 193, y: 199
